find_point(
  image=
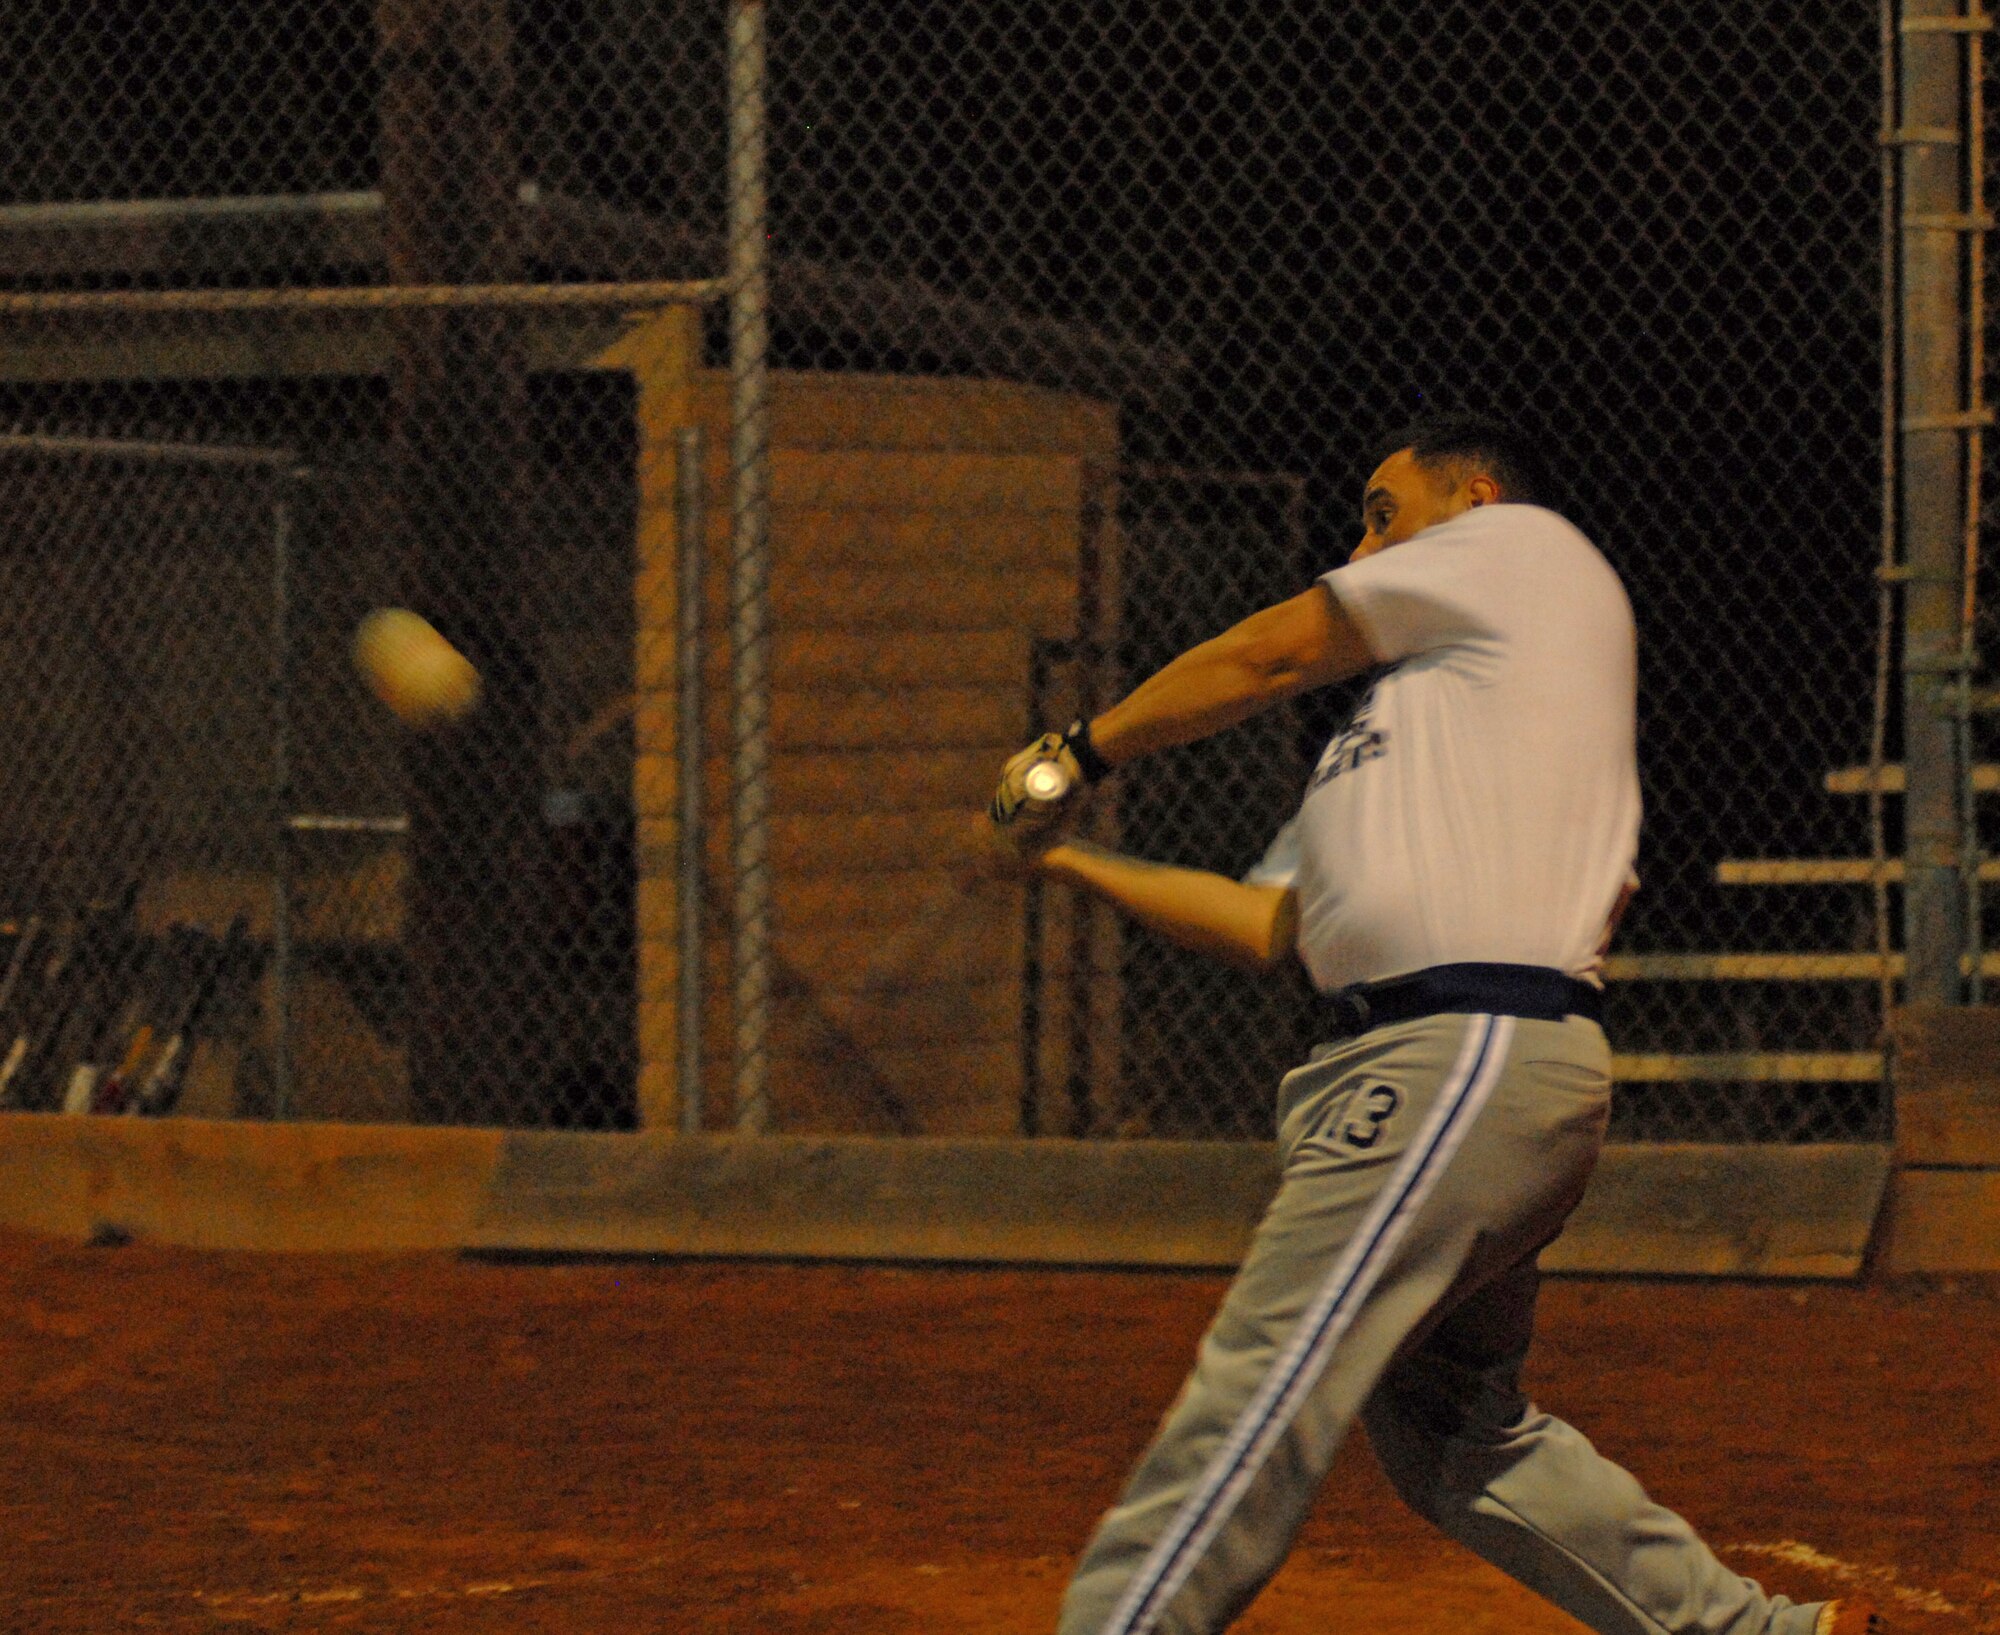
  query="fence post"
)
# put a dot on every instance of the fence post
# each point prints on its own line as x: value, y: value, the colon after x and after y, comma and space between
x: 692, y: 529
x: 750, y: 565
x: 281, y: 778
x: 1929, y: 133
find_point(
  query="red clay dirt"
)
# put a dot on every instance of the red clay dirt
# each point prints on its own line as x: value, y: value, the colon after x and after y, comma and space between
x: 199, y: 1441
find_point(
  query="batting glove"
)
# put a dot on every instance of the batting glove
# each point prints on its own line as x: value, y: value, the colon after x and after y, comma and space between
x: 1039, y: 780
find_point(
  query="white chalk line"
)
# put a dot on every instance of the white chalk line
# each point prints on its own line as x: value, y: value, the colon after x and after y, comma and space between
x: 348, y: 1593
x: 1883, y: 1581
x: 299, y: 1596
x: 356, y: 1592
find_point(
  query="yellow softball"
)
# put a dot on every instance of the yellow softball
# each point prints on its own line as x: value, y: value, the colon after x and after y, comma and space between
x: 423, y: 679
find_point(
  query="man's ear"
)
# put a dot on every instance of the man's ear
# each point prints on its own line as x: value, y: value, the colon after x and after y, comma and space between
x: 1483, y: 490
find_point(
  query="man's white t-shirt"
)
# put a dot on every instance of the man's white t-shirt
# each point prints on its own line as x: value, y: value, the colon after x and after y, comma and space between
x: 1483, y: 803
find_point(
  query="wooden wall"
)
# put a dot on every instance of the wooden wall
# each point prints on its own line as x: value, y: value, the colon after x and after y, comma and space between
x: 925, y: 533
x: 1944, y: 1206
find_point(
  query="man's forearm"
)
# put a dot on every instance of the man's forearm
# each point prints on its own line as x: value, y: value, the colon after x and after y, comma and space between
x: 1270, y: 656
x: 1206, y: 689
x: 1251, y: 926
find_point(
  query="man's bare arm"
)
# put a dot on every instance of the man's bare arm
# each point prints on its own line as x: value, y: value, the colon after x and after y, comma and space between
x: 1251, y: 926
x: 1284, y: 650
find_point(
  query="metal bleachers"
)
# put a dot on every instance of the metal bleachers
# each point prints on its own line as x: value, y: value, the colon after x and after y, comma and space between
x: 1785, y: 1066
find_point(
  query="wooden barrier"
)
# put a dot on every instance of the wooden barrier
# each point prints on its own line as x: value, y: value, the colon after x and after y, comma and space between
x: 1796, y: 1212
x: 1944, y: 1209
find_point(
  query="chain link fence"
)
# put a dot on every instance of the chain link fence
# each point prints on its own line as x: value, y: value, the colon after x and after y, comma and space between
x: 1084, y: 320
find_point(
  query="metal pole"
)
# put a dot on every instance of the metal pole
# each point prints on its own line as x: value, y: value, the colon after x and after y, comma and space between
x: 1034, y: 917
x: 281, y: 777
x: 750, y: 564
x: 1887, y: 571
x: 1976, y: 228
x: 122, y: 448
x: 637, y: 295
x: 1929, y: 135
x: 691, y: 529
x: 1085, y: 911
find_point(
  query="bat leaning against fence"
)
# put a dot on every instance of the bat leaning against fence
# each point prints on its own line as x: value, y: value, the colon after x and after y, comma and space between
x: 70, y: 980
x: 124, y: 1034
x: 15, y: 987
x: 174, y: 993
x: 214, y: 962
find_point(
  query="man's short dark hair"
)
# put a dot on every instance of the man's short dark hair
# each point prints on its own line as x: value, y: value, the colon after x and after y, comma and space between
x: 1496, y: 447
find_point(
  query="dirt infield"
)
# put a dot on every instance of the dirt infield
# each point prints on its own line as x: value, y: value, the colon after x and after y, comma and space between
x: 200, y: 1441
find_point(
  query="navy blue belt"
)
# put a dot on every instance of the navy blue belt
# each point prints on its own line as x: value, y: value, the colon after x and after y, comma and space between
x: 1478, y: 990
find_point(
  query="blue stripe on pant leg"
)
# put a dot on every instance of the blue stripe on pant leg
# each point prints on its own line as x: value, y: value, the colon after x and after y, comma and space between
x: 1304, y: 1358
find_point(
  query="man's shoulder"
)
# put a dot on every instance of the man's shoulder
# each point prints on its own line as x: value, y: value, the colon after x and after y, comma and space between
x: 1510, y: 520
x: 1530, y: 570
x: 1488, y: 545
x: 1523, y: 544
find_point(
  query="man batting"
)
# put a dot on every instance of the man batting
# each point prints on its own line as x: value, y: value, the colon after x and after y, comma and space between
x: 1463, y: 844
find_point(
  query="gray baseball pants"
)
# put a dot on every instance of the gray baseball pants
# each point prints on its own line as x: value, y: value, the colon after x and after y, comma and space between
x: 1426, y: 1164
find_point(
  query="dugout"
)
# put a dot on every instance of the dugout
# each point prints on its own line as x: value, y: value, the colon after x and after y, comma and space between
x: 939, y: 541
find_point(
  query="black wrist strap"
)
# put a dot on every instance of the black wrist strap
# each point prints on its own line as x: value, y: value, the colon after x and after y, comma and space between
x: 1076, y: 739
